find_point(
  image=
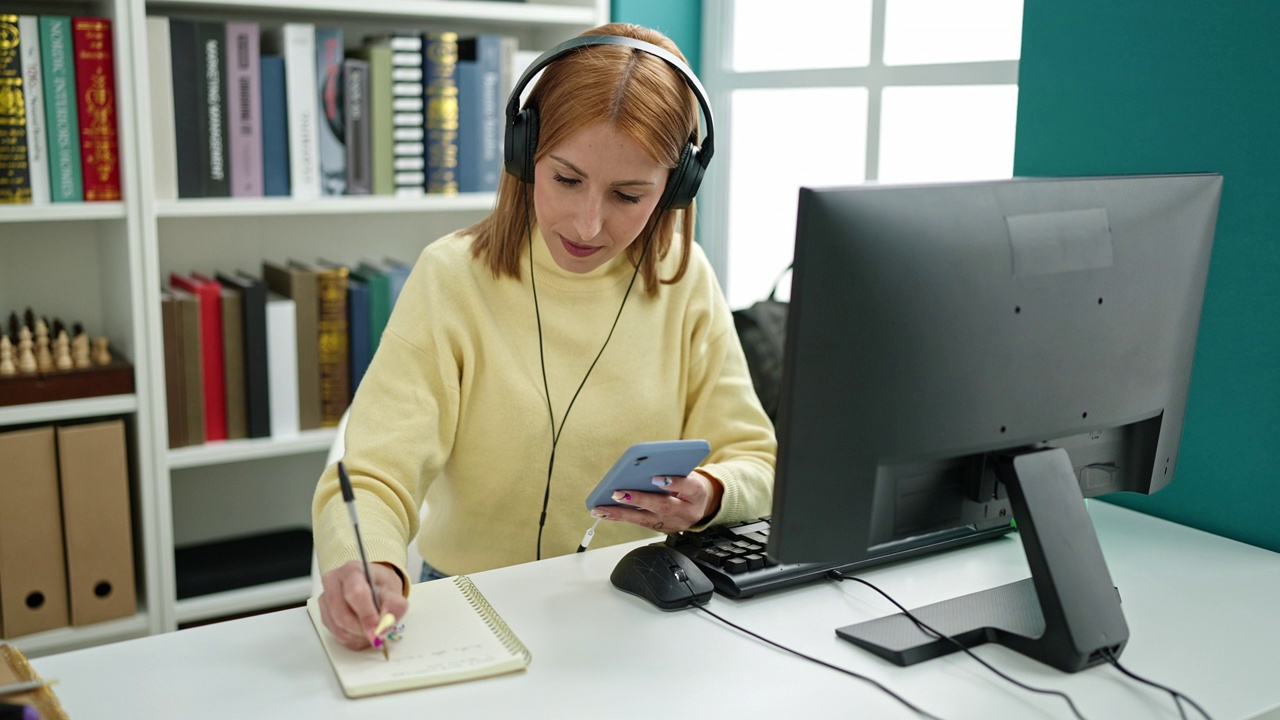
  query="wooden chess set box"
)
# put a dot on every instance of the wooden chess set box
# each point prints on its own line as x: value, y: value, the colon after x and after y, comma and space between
x: 42, y: 362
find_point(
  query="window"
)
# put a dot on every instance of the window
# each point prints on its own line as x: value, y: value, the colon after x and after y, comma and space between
x: 838, y: 92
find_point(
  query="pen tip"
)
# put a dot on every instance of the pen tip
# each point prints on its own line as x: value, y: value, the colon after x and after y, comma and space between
x: 385, y: 655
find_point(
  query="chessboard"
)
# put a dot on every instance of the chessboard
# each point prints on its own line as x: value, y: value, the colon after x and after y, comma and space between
x: 40, y: 363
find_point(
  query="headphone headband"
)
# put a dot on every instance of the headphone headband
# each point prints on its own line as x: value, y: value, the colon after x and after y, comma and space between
x: 522, y: 131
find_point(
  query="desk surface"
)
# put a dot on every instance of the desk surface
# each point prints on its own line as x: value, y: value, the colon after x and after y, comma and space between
x: 1201, y: 609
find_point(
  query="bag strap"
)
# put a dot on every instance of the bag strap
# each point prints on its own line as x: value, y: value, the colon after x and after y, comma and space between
x: 774, y: 290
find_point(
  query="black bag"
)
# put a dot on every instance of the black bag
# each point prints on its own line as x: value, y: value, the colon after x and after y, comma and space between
x: 762, y: 330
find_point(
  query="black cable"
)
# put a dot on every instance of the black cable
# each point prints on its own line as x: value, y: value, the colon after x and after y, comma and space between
x: 1177, y: 696
x: 555, y: 432
x: 837, y: 575
x: 824, y: 663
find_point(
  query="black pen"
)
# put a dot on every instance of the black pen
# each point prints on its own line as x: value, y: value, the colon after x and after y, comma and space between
x: 349, y: 498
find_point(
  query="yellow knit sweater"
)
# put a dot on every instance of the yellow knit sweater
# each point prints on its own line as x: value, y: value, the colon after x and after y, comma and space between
x: 452, y: 409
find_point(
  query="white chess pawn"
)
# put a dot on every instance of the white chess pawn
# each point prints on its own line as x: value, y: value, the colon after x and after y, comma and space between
x: 80, y: 351
x: 101, y: 351
x: 7, y: 367
x: 26, y: 358
x: 62, y: 352
x: 44, y: 359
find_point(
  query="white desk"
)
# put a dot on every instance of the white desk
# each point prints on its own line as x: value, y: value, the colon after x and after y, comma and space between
x: 1203, y: 611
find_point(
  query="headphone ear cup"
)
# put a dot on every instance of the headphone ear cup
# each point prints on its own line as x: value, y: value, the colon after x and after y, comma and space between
x: 682, y: 184
x: 521, y: 145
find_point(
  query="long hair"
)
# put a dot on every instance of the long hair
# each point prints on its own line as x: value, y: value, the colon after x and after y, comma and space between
x: 641, y: 95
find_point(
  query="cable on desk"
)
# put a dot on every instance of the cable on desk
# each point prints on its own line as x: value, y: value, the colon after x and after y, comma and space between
x: 1177, y: 696
x: 894, y: 695
x: 924, y: 627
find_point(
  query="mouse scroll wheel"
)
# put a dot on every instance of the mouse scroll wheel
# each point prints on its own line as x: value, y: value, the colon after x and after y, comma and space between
x: 680, y: 574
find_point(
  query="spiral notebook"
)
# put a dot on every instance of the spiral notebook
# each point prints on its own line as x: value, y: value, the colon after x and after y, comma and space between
x: 451, y: 634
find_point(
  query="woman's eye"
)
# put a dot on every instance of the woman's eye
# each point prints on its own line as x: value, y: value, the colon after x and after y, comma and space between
x: 571, y: 182
x: 628, y: 198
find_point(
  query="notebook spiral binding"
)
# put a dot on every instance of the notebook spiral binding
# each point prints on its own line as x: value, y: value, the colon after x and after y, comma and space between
x: 491, y: 618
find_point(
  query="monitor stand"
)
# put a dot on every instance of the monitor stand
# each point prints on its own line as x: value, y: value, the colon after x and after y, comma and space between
x: 1067, y: 614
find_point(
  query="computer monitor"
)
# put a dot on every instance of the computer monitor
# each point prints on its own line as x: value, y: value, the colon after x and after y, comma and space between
x: 957, y: 354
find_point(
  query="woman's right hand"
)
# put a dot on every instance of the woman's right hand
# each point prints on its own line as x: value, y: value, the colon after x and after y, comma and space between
x: 346, y: 604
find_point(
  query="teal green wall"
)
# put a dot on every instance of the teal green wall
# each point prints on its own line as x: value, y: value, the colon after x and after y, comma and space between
x: 680, y: 20
x: 1127, y: 87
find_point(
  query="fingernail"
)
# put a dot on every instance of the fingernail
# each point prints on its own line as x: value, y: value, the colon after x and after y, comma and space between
x: 622, y: 496
x: 600, y: 514
x: 377, y: 642
x: 662, y: 481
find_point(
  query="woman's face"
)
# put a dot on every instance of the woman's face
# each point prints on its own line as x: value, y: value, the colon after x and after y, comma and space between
x: 593, y: 194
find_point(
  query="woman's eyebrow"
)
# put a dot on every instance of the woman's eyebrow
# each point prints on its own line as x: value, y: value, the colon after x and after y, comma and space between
x: 578, y: 171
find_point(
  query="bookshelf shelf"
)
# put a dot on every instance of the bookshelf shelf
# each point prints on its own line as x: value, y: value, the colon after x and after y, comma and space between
x: 68, y: 409
x: 229, y: 451
x: 62, y: 212
x: 73, y: 638
x: 486, y: 11
x: 349, y: 205
x: 276, y: 594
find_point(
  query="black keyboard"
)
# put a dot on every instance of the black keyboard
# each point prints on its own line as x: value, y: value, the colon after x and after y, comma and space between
x: 733, y: 556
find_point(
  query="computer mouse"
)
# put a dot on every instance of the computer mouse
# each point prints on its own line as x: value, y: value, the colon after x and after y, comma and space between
x: 662, y: 575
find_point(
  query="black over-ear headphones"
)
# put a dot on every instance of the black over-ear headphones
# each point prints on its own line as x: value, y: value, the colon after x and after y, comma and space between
x: 522, y: 125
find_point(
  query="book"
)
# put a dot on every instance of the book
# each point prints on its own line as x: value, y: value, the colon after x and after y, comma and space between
x: 253, y: 297
x: 192, y: 365
x: 244, y: 103
x: 299, y: 284
x: 233, y: 363
x: 33, y: 89
x: 377, y: 53
x: 171, y: 328
x: 355, y: 78
x: 15, y: 176
x: 185, y: 73
x: 440, y: 97
x: 452, y: 634
x: 282, y: 365
x: 275, y: 127
x: 296, y: 42
x: 332, y: 130
x: 212, y: 378
x: 379, y: 286
x: 334, y: 340
x: 358, y: 345
x: 480, y: 113
x: 62, y: 123
x: 96, y: 81
x: 212, y: 39
x: 408, y: 122
x: 163, y: 131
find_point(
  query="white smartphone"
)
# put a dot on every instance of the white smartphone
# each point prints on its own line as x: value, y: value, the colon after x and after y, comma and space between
x: 636, y: 468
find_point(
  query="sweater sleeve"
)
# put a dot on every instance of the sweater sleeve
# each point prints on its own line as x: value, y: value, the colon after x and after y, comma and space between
x: 723, y: 408
x: 400, y: 430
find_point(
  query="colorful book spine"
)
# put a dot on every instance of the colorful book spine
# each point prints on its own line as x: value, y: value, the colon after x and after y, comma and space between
x: 189, y: 119
x: 33, y: 89
x: 379, y: 302
x: 244, y: 99
x: 212, y: 37
x: 355, y: 78
x: 62, y: 120
x: 15, y: 175
x: 440, y: 96
x: 95, y: 78
x: 275, y: 128
x: 408, y: 121
x: 359, y: 347
x: 335, y: 371
x: 332, y: 133
x: 213, y: 380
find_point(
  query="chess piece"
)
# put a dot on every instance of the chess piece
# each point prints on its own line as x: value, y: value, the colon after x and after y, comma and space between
x: 80, y: 350
x: 26, y: 358
x: 7, y: 368
x: 62, y: 352
x: 101, y: 351
x: 44, y: 358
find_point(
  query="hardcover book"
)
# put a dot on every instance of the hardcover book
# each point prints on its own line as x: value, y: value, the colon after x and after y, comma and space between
x: 299, y: 284
x: 253, y: 299
x: 212, y: 39
x: 333, y: 339
x: 171, y: 328
x: 355, y: 78
x: 440, y: 94
x: 62, y: 118
x: 15, y: 174
x: 332, y: 125
x: 233, y: 363
x: 296, y: 42
x: 377, y: 53
x: 212, y: 378
x: 282, y: 364
x: 95, y: 79
x: 163, y: 131
x: 189, y: 119
x: 480, y: 113
x: 408, y: 121
x: 33, y: 89
x: 451, y: 634
x: 275, y: 127
x: 244, y: 100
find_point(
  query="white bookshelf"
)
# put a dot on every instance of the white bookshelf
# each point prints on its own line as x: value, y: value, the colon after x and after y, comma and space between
x: 104, y: 263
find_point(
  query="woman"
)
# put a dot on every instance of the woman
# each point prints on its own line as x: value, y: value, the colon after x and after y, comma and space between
x: 527, y: 352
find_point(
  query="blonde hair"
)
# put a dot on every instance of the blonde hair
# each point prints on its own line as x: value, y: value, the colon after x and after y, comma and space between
x: 641, y: 95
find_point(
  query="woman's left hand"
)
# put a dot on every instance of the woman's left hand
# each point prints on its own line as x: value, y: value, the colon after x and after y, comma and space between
x: 692, y: 498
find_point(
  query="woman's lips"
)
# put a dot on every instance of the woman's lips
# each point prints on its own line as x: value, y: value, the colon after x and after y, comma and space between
x: 577, y: 250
